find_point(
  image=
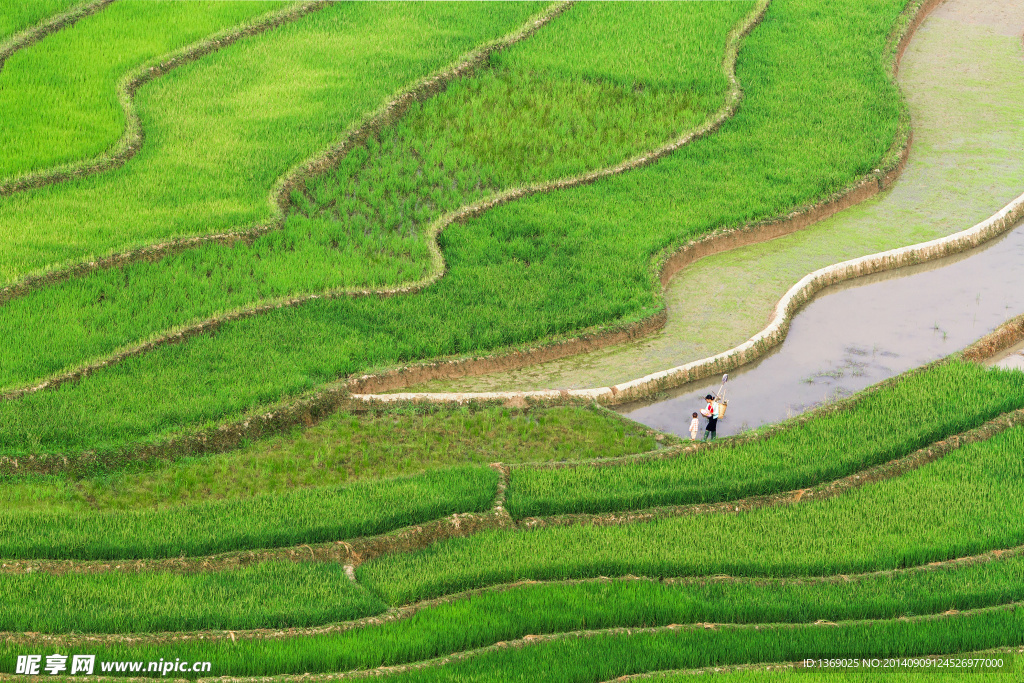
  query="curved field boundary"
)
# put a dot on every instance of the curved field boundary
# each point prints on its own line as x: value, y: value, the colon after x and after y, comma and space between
x: 529, y: 640
x: 438, y: 267
x: 132, y: 138
x: 384, y: 116
x: 371, y: 386
x: 401, y: 613
x: 34, y: 34
x: 315, y: 405
x: 278, y: 199
x: 357, y: 133
x: 686, y: 447
x: 772, y: 335
x: 888, y: 470
x: 359, y: 550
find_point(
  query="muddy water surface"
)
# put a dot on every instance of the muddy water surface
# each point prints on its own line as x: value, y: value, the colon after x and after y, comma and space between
x: 856, y: 334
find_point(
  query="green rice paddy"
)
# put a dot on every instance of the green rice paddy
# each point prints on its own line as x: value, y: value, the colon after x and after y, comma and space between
x: 23, y: 16
x: 544, y: 266
x: 366, y: 224
x: 493, y: 540
x: 61, y: 103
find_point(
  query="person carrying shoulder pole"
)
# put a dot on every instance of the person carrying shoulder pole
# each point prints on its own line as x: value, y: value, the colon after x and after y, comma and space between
x: 711, y: 413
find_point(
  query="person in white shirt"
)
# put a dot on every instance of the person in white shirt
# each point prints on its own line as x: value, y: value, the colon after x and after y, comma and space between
x: 694, y: 427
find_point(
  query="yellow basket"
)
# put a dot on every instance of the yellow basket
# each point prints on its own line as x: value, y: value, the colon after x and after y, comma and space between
x: 722, y: 405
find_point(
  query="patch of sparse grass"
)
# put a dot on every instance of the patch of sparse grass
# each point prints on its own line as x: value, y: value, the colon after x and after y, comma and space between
x: 342, y: 449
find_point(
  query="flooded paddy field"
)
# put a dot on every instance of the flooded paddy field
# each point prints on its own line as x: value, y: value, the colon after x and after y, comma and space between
x: 859, y: 333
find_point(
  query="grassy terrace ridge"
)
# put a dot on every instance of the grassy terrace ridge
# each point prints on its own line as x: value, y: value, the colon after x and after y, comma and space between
x: 591, y: 655
x: 266, y: 595
x: 264, y: 521
x: 551, y: 107
x: 314, y: 594
x: 343, y: 448
x: 287, y: 474
x: 957, y: 506
x: 918, y: 409
x: 546, y: 265
x: 201, y: 118
x: 346, y: 447
x: 18, y: 17
x: 61, y: 101
x: 606, y: 656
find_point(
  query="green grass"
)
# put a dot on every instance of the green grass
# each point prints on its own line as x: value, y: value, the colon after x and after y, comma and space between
x: 950, y: 66
x: 491, y: 617
x: 18, y: 16
x: 343, y: 448
x: 511, y: 271
x: 597, y: 658
x: 936, y: 675
x: 272, y: 100
x: 957, y: 506
x: 60, y: 101
x: 267, y: 595
x: 605, y: 657
x: 547, y: 265
x: 364, y: 224
x: 893, y: 421
x: 312, y: 515
x: 314, y: 593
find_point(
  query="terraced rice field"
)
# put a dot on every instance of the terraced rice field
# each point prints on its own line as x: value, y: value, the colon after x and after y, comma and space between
x: 967, y: 108
x: 230, y: 216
